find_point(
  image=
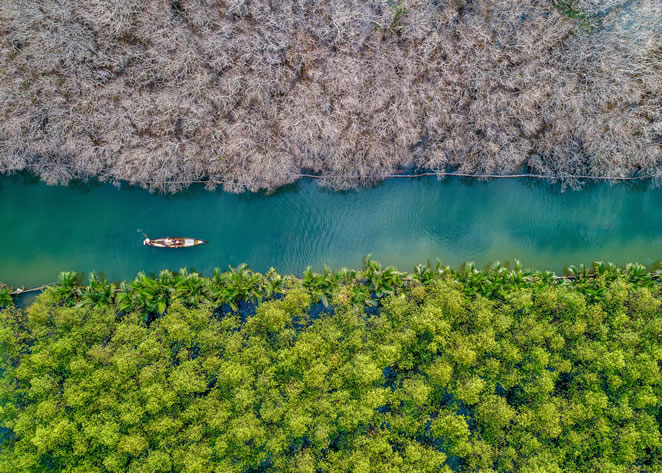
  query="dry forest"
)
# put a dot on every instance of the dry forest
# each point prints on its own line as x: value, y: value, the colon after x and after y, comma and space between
x: 250, y: 94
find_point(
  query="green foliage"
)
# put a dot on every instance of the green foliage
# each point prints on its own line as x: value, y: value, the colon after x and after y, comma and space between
x: 97, y: 293
x: 501, y: 370
x: 321, y: 286
x: 399, y: 9
x: 382, y: 281
x: 587, y: 21
x: 6, y: 300
x: 240, y: 284
x: 66, y: 287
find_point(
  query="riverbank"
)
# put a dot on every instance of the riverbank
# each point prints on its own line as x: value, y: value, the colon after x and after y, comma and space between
x: 244, y: 285
x: 248, y: 97
x: 371, y: 370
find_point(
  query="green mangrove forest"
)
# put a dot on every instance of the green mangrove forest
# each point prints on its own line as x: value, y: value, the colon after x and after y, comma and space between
x: 372, y: 370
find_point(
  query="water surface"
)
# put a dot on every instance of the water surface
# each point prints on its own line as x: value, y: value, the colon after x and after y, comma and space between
x: 92, y: 226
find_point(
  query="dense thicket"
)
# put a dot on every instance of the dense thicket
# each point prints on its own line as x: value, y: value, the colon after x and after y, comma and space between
x: 249, y: 93
x: 369, y: 371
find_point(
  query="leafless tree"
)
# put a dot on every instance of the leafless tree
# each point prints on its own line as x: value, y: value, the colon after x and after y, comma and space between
x: 250, y: 93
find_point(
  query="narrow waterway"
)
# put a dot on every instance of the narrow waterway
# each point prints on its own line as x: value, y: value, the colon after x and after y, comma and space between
x: 95, y: 227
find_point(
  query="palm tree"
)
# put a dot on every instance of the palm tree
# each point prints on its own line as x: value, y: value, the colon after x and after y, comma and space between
x: 151, y: 296
x: 427, y: 273
x: 386, y: 282
x: 578, y: 274
x: 239, y: 284
x: 6, y: 300
x: 97, y: 293
x: 321, y: 286
x: 382, y: 282
x: 191, y: 288
x: 66, y: 286
x: 123, y: 300
x: 272, y: 283
x: 638, y: 274
x: 346, y: 276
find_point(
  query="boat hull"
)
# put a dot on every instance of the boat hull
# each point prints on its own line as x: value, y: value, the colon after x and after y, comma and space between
x: 175, y: 242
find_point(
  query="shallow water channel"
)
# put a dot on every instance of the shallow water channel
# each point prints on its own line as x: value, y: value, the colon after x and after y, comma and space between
x: 402, y: 222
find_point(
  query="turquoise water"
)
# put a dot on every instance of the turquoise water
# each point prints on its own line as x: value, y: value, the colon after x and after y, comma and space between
x: 92, y: 226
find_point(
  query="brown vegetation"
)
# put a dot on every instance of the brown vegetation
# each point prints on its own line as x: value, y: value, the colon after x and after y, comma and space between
x: 250, y: 92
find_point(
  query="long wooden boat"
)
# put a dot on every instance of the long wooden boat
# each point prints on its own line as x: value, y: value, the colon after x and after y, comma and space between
x: 173, y: 242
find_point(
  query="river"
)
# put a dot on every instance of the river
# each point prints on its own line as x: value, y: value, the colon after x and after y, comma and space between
x: 96, y: 227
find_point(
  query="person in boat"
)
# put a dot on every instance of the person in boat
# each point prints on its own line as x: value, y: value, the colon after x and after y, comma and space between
x: 147, y: 241
x: 172, y: 242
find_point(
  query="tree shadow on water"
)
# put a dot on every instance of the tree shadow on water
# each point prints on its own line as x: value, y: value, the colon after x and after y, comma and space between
x: 84, y: 186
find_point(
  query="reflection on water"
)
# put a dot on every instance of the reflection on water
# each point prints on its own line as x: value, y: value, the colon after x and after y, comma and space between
x: 95, y: 226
